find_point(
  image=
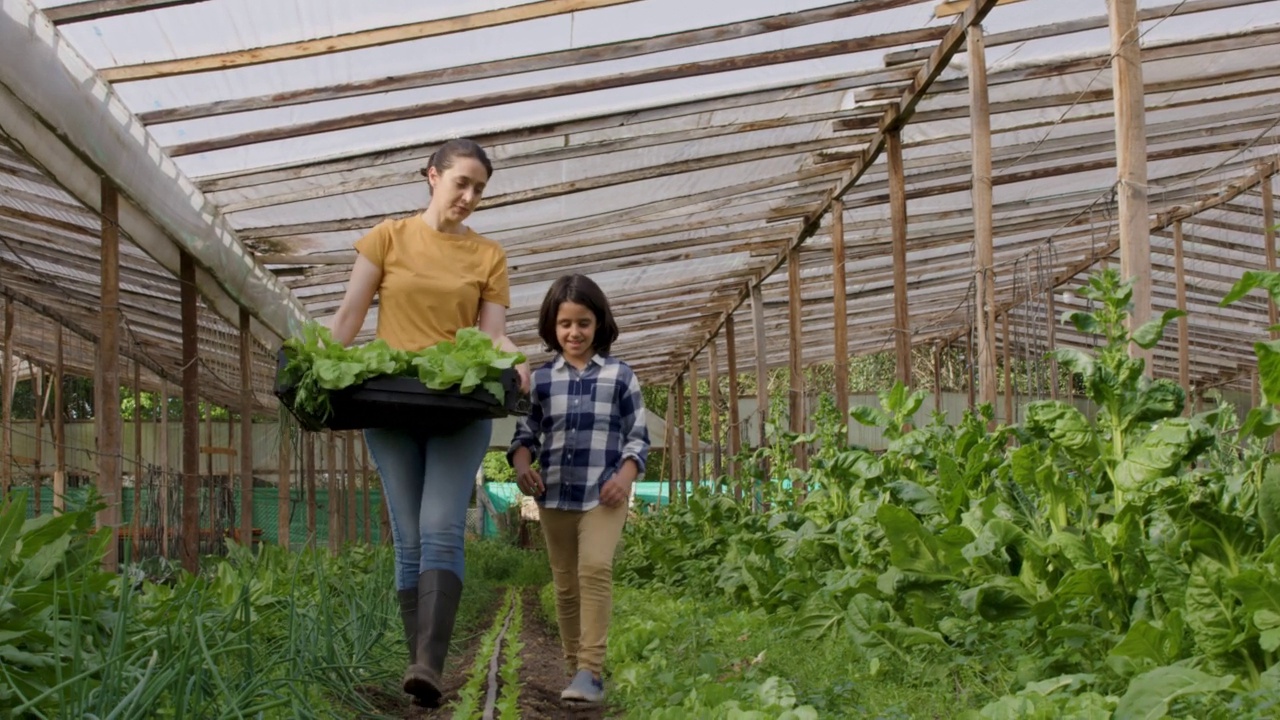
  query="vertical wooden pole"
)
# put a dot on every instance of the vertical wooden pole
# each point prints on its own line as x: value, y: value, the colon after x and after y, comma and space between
x: 246, y: 430
x: 1008, y: 370
x: 59, y: 428
x: 37, y: 486
x: 969, y: 368
x: 898, y: 211
x: 669, y: 445
x: 309, y: 478
x: 190, y: 419
x: 1184, y: 339
x: 713, y: 397
x: 352, y: 489
x: 1051, y: 340
x: 335, y: 514
x: 135, y: 545
x: 762, y: 380
x: 384, y: 516
x: 1131, y: 160
x: 937, y: 376
x: 795, y: 355
x: 841, y: 306
x: 366, y: 518
x: 983, y: 222
x: 681, y: 428
x: 1269, y: 244
x: 6, y: 472
x: 735, y: 425
x: 762, y: 365
x: 211, y: 485
x: 282, y: 485
x: 110, y: 442
x: 162, y: 452
x: 695, y: 426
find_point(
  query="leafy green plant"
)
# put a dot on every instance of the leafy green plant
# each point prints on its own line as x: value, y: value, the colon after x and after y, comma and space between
x: 317, y: 365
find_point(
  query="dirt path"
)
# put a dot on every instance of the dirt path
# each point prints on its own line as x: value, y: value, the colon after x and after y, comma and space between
x: 543, y: 672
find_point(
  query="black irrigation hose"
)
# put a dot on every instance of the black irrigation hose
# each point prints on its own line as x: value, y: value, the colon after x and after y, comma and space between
x: 491, y: 697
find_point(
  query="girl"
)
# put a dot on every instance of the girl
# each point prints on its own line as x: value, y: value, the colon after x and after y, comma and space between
x: 587, y: 431
x: 433, y: 276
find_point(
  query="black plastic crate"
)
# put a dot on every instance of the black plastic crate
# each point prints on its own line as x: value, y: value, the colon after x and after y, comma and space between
x: 404, y: 402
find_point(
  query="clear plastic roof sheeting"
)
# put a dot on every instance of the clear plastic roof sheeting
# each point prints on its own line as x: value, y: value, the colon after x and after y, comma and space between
x: 674, y: 150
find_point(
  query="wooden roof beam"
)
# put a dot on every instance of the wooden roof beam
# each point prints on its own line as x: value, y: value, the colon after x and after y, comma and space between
x: 99, y: 9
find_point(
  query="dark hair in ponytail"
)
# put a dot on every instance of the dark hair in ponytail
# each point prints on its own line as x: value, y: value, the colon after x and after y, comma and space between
x: 444, y: 157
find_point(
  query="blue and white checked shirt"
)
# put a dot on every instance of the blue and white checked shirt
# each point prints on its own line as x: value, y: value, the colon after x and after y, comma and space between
x: 582, y: 427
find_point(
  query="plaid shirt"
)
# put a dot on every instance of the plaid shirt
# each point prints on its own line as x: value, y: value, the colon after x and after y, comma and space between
x: 582, y: 427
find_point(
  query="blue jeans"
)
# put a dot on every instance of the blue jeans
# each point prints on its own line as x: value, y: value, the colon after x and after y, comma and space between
x: 427, y: 481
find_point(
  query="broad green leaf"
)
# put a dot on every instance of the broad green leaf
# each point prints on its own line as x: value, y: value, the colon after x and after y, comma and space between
x: 999, y: 599
x: 1066, y: 427
x: 1250, y: 281
x: 1085, y: 322
x: 921, y: 499
x: 871, y: 416
x: 1269, y: 369
x: 1262, y: 422
x: 1210, y: 607
x: 1085, y: 582
x: 1150, y: 333
x: 12, y: 513
x: 1145, y: 646
x: 1160, y: 453
x: 1149, y: 694
x: 912, y: 547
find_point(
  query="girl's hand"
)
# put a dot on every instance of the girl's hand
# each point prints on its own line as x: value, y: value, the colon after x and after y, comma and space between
x: 529, y: 481
x: 616, y: 492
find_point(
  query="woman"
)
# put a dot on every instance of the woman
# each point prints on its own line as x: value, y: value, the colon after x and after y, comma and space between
x: 434, y: 276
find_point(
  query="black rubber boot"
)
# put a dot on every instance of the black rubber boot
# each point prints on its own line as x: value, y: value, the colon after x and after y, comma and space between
x: 409, y: 617
x: 438, y: 594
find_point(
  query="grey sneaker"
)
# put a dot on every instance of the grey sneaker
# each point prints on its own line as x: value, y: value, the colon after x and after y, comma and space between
x: 585, y: 688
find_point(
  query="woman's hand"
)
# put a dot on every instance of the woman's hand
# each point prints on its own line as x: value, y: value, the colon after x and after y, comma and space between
x: 525, y: 379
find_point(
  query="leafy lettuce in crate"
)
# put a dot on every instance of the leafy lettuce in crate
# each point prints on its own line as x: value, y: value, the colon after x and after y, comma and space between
x: 317, y: 365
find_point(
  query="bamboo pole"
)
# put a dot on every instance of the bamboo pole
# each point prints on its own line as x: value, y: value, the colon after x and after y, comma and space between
x: 136, y: 523
x: 335, y: 516
x: 669, y: 446
x: 1008, y: 370
x: 309, y: 477
x: 681, y: 462
x: 163, y: 462
x: 282, y: 485
x: 37, y: 486
x: 366, y: 518
x: 1269, y: 244
x: 351, y: 491
x: 1051, y: 341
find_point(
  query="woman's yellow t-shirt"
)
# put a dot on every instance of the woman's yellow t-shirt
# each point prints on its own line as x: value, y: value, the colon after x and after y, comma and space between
x: 432, y: 282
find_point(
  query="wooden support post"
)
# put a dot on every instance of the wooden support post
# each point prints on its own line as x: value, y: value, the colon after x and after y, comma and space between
x: 1131, y: 160
x: 110, y: 442
x: 681, y: 429
x: 795, y: 356
x: 713, y: 398
x: 762, y: 378
x: 1051, y: 340
x: 246, y: 431
x: 211, y: 484
x: 190, y: 419
x: 366, y: 518
x: 735, y: 424
x: 335, y: 515
x: 309, y: 479
x: 762, y: 365
x: 841, y: 307
x: 136, y: 525
x: 37, y: 486
x: 6, y: 471
x: 282, y: 485
x: 983, y: 221
x: 351, y: 490
x: 384, y: 516
x: 1269, y: 245
x: 669, y: 445
x: 695, y: 426
x: 898, y: 211
x: 970, y: 368
x: 937, y: 376
x: 59, y: 428
x: 1184, y: 338
x: 1008, y: 370
x: 162, y: 452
